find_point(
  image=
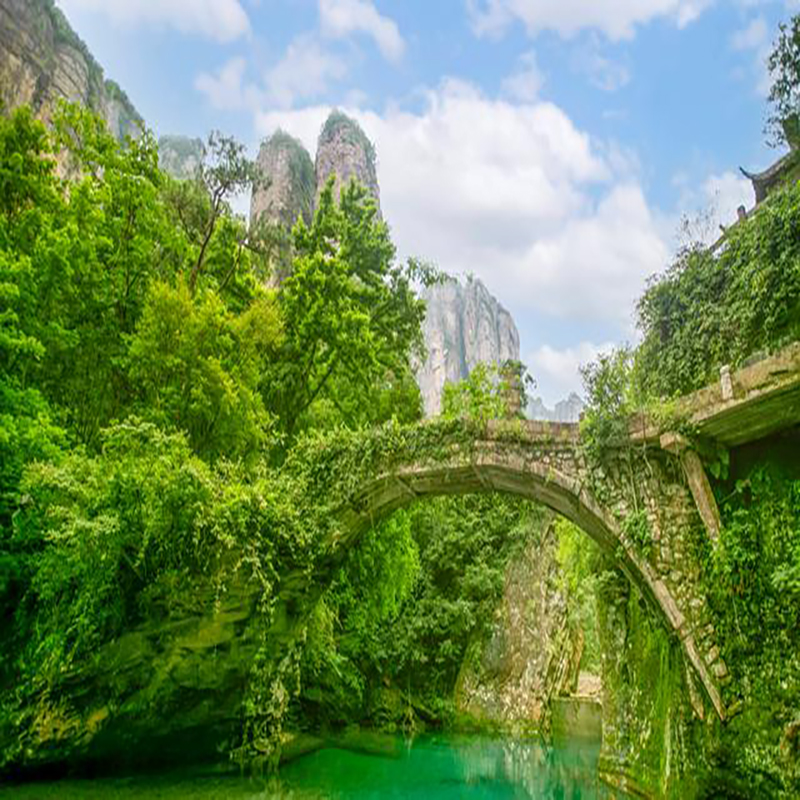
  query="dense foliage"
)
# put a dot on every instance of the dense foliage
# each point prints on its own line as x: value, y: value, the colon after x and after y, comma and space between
x: 390, y: 652
x: 148, y: 379
x: 709, y: 309
x: 391, y: 633
x: 783, y: 124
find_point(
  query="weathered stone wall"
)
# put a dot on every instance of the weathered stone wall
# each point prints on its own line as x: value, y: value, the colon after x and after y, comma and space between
x: 544, y: 462
x: 42, y: 60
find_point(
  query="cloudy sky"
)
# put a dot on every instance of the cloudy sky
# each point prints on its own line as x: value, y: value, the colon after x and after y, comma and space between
x: 549, y: 147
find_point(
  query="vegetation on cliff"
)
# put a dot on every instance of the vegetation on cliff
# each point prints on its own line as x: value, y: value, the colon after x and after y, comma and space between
x: 339, y: 124
x: 99, y: 89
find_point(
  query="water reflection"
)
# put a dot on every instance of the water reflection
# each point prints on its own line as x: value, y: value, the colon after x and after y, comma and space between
x: 452, y: 766
x: 374, y: 766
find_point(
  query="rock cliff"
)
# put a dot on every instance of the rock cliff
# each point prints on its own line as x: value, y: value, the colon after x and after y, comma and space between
x: 180, y: 156
x: 464, y: 326
x: 287, y: 181
x: 345, y: 151
x: 533, y: 653
x: 43, y: 60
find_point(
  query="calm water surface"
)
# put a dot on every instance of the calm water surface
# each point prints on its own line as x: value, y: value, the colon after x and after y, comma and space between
x: 431, y: 767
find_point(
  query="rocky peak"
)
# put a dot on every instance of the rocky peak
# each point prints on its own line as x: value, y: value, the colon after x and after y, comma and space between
x: 180, y: 156
x: 42, y: 60
x: 345, y: 151
x: 568, y: 410
x: 286, y: 181
x: 464, y: 326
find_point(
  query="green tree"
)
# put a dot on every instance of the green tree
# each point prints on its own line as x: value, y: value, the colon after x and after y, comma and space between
x: 487, y: 392
x: 607, y: 385
x: 93, y: 256
x: 28, y: 193
x: 351, y: 317
x: 197, y: 367
x: 224, y: 171
x: 783, y: 122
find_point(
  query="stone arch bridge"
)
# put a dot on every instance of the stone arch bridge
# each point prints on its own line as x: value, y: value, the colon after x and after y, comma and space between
x: 653, y: 475
x: 545, y: 462
x: 199, y: 664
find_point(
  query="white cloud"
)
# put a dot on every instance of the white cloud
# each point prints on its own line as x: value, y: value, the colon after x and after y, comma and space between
x: 516, y: 194
x: 606, y: 74
x: 617, y: 19
x: 724, y: 194
x: 751, y: 37
x: 755, y: 38
x: 341, y: 18
x: 226, y: 90
x: 557, y: 371
x: 710, y: 205
x: 222, y: 20
x: 526, y: 83
x: 305, y: 71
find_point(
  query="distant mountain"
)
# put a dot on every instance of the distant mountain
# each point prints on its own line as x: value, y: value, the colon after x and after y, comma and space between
x: 287, y: 181
x: 290, y: 182
x: 180, y: 156
x: 464, y: 325
x: 568, y: 410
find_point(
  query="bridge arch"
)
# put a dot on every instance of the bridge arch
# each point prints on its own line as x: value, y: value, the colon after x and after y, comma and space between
x: 544, y: 462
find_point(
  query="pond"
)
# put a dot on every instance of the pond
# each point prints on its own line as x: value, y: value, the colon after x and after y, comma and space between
x: 434, y: 767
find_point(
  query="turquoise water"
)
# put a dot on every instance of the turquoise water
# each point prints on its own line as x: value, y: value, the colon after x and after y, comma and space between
x: 431, y: 767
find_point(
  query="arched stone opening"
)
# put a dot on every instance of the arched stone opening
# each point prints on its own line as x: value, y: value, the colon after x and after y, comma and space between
x: 545, y: 465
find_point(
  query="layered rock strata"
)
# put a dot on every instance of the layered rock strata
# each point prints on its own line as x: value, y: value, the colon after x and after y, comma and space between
x: 287, y: 182
x: 42, y: 60
x: 464, y: 326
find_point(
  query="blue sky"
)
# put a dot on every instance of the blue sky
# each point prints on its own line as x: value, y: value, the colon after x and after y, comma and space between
x: 550, y: 147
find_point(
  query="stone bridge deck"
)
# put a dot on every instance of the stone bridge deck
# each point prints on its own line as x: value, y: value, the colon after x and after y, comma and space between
x: 743, y: 406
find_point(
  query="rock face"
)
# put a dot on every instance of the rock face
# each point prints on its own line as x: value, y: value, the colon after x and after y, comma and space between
x: 345, y: 151
x: 43, y: 60
x: 180, y: 156
x: 532, y: 654
x: 568, y: 410
x: 286, y: 190
x: 464, y: 326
